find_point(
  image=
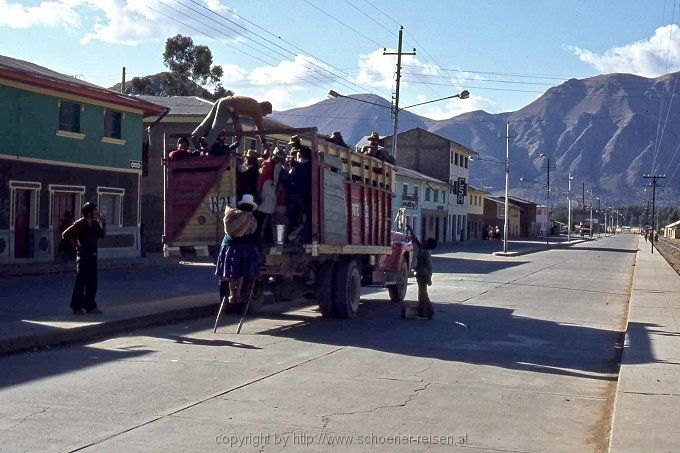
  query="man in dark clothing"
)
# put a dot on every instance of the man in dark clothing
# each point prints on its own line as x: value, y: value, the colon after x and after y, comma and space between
x: 374, y: 149
x: 424, y: 271
x: 247, y: 174
x: 84, y: 233
x: 220, y: 148
x: 300, y: 196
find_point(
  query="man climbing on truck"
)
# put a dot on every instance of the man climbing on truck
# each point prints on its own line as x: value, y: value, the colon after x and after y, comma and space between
x: 424, y: 272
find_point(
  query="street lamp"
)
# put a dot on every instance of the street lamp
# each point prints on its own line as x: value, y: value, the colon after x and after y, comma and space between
x: 465, y: 94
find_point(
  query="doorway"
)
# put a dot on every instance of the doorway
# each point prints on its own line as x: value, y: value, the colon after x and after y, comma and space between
x: 22, y: 223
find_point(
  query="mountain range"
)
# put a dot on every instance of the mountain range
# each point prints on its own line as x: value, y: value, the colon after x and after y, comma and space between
x: 606, y: 130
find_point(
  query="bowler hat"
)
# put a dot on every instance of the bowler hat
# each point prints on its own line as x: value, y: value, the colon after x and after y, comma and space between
x: 247, y: 199
x: 294, y: 140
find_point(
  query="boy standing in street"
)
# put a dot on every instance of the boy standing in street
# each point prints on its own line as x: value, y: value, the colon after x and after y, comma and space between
x: 424, y: 272
x: 84, y: 234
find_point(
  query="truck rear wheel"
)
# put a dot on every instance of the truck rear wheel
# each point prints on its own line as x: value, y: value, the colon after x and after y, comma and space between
x: 325, y: 289
x: 398, y: 291
x: 348, y: 286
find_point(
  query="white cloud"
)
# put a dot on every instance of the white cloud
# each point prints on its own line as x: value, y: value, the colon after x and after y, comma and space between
x: 454, y: 107
x: 50, y: 14
x: 645, y: 57
x: 378, y: 70
x: 301, y: 69
x: 233, y: 73
x: 129, y: 22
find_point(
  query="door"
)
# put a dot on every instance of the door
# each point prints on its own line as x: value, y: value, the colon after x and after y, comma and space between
x: 436, y: 229
x: 22, y: 223
x: 63, y: 215
x: 63, y: 211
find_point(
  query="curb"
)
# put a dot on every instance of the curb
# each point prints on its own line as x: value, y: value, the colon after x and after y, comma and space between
x: 71, y: 268
x: 30, y: 342
x: 540, y: 248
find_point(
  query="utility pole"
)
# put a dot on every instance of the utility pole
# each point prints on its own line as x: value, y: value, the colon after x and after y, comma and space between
x: 395, y: 107
x: 122, y: 85
x: 654, y: 185
x: 507, y: 180
x: 547, y: 230
x: 569, y: 216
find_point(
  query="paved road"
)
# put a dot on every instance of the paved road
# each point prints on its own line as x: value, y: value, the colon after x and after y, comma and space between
x: 522, y: 356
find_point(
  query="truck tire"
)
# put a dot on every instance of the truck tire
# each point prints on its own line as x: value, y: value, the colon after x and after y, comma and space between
x: 348, y: 288
x: 325, y: 289
x: 398, y: 291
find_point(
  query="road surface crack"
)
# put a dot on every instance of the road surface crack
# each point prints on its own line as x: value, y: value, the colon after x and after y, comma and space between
x: 326, y: 419
x: 41, y: 411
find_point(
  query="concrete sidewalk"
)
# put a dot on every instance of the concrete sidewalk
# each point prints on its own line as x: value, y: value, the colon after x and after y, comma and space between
x: 61, y: 267
x: 34, y: 310
x: 646, y: 412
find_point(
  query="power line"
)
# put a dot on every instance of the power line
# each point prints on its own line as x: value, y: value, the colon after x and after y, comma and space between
x: 319, y: 67
x: 343, y: 23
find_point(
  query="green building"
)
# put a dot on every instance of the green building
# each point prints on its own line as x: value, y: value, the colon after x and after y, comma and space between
x: 63, y: 142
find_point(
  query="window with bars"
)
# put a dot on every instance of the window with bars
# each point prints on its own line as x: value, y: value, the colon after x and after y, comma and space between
x: 69, y: 117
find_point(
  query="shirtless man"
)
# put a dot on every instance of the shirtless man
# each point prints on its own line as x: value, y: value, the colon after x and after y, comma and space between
x: 231, y: 107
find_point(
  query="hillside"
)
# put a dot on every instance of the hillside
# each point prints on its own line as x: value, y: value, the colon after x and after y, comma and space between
x: 603, y: 129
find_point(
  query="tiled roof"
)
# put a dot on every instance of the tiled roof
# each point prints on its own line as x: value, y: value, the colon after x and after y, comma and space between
x: 502, y: 203
x: 181, y: 105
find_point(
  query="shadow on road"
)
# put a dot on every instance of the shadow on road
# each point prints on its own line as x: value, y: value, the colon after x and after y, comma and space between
x: 479, y: 335
x: 445, y: 264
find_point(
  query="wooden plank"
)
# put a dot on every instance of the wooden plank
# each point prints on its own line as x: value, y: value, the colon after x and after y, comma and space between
x: 350, y: 250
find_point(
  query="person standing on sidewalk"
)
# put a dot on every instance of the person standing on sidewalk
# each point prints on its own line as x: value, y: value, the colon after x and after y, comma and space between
x: 424, y: 272
x: 84, y: 234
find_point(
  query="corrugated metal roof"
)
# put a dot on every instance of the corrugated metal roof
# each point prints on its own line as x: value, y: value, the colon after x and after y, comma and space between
x: 181, y: 105
x: 674, y: 224
x: 502, y: 203
x: 416, y: 175
x: 40, y: 71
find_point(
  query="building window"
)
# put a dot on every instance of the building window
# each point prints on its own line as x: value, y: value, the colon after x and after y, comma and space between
x: 436, y: 196
x: 69, y: 117
x: 405, y: 187
x: 452, y: 157
x: 415, y: 191
x: 427, y: 194
x: 467, y: 159
x: 112, y: 123
x: 455, y: 160
x: 110, y: 201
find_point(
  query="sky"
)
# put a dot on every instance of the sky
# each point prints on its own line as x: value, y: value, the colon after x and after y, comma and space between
x: 292, y: 52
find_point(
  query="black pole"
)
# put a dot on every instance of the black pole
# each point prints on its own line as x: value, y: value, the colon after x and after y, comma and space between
x: 547, y: 233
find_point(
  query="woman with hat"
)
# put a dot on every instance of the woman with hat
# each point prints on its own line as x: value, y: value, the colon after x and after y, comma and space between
x: 238, y: 258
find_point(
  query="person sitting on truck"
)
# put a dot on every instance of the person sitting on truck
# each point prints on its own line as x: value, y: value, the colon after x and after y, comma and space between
x: 182, y: 151
x: 247, y: 174
x: 424, y: 271
x: 270, y: 171
x: 336, y: 138
x: 374, y: 149
x: 220, y: 147
x: 300, y: 196
x: 237, y: 259
x: 232, y: 107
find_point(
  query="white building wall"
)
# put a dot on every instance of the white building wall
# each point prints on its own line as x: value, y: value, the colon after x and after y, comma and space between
x: 459, y: 167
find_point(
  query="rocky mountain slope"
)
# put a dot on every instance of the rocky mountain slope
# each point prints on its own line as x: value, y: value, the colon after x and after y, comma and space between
x: 603, y: 129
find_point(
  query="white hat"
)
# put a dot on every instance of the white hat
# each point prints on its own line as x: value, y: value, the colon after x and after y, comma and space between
x: 248, y: 199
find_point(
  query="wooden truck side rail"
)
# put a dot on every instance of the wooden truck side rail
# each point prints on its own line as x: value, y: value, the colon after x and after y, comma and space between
x: 351, y: 198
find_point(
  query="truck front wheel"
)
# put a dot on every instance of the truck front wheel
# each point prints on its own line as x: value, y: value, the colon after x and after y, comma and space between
x: 398, y: 291
x: 348, y: 286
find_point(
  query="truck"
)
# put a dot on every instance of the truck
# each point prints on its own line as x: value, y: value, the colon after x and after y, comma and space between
x: 352, y: 243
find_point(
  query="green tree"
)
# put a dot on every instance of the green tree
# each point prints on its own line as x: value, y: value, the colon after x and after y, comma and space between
x: 142, y: 85
x: 189, y: 63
